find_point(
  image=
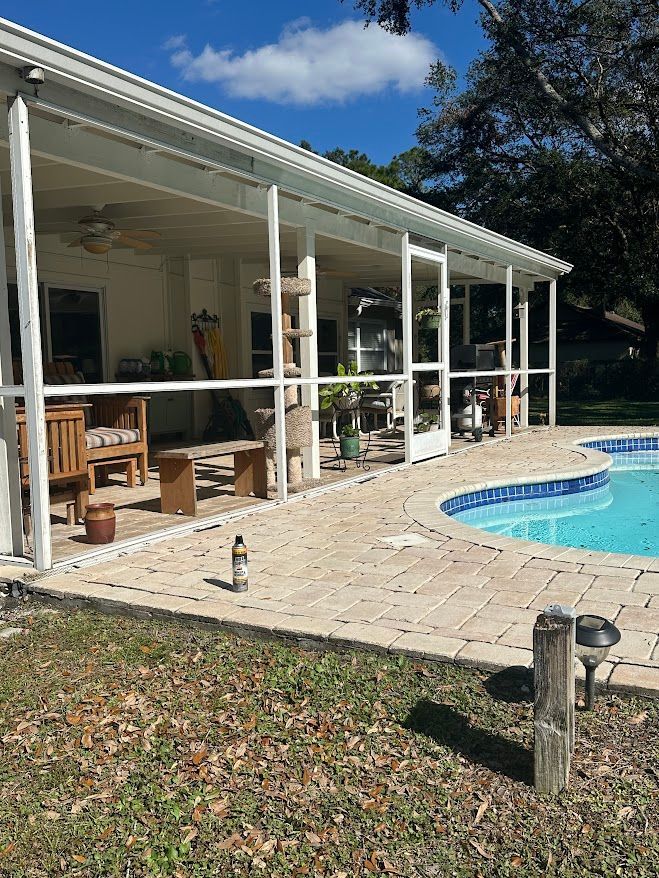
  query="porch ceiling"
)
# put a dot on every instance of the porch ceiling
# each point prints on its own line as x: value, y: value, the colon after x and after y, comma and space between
x: 63, y: 193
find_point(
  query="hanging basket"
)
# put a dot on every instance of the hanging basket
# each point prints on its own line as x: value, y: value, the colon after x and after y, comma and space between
x: 432, y: 321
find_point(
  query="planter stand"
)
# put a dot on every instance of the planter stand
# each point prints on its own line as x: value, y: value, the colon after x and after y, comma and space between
x: 340, y: 462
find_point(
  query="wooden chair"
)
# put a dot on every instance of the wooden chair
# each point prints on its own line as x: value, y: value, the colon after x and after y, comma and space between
x: 116, y: 432
x: 67, y: 454
x: 119, y: 436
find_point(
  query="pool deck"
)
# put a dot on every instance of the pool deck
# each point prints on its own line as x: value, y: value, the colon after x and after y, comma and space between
x: 375, y: 565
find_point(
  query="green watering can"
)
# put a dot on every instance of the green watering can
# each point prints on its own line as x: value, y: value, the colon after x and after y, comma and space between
x: 181, y: 363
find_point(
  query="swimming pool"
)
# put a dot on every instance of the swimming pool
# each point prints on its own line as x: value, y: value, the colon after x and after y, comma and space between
x: 615, y: 514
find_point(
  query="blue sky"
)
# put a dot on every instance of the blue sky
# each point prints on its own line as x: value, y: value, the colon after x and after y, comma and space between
x: 297, y: 69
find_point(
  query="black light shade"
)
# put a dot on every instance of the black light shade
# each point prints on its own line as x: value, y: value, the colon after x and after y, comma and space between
x: 596, y: 632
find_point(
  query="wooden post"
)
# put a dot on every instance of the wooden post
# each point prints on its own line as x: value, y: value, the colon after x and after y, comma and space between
x: 553, y: 657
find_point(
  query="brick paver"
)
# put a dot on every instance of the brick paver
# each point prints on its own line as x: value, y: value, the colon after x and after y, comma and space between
x: 376, y: 566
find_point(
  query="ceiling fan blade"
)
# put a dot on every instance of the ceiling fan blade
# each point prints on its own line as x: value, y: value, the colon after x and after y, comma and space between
x: 133, y: 242
x: 76, y: 243
x: 138, y: 233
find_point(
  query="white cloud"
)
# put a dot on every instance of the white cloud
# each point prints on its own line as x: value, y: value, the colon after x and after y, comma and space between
x: 178, y: 41
x: 308, y: 65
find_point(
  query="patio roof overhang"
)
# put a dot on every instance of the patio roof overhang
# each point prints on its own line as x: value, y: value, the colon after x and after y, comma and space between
x: 149, y: 125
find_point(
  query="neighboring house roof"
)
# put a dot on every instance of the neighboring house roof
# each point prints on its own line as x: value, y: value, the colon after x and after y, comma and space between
x: 368, y: 297
x: 578, y: 324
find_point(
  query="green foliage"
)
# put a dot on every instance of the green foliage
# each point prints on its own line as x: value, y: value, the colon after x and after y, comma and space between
x: 350, y: 432
x: 553, y: 140
x: 338, y: 394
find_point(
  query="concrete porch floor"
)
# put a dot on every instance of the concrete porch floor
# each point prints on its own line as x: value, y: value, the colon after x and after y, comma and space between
x: 138, y: 509
x: 362, y: 567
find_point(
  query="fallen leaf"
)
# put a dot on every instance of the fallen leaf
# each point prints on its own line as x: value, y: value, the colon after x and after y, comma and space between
x: 482, y: 809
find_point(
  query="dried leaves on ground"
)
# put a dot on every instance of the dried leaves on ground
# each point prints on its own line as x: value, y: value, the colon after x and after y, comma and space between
x: 136, y: 748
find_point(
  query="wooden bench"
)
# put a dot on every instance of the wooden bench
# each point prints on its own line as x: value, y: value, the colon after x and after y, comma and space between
x: 177, y: 475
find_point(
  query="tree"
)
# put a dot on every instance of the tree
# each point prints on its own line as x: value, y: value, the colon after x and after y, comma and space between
x: 560, y: 116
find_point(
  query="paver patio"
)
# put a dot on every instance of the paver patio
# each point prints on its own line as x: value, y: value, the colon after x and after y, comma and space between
x: 374, y: 566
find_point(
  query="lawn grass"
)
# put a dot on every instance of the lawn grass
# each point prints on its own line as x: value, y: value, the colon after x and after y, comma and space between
x: 616, y: 412
x: 135, y: 748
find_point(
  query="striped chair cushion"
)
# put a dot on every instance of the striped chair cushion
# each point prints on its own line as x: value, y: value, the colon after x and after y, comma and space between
x: 102, y: 437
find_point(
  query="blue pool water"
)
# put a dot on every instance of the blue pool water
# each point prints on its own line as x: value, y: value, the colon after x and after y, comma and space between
x: 622, y: 516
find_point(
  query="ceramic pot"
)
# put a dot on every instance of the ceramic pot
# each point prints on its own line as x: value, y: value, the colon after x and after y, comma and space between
x: 349, y: 447
x: 100, y: 523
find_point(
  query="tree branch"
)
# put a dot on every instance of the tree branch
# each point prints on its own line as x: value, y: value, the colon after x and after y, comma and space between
x: 581, y: 120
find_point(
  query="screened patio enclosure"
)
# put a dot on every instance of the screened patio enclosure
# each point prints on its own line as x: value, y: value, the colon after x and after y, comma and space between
x: 217, y: 207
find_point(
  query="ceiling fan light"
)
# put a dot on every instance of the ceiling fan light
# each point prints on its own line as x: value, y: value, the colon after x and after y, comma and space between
x: 96, y: 244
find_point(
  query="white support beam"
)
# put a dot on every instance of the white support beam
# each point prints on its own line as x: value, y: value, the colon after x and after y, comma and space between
x: 445, y: 350
x: 28, y: 308
x: 524, y: 356
x: 466, y: 315
x: 11, y: 530
x: 277, y: 341
x: 306, y: 267
x: 509, y: 348
x: 552, y: 353
x: 407, y: 345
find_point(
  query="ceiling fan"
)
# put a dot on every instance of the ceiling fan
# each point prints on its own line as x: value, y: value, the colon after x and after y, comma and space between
x: 99, y: 234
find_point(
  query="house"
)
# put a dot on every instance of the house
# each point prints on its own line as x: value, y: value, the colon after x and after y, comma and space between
x: 127, y: 209
x: 592, y: 334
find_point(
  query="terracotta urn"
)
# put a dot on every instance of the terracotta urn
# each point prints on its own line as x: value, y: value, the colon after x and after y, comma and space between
x: 100, y: 523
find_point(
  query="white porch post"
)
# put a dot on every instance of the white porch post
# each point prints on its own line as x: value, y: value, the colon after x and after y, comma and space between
x: 306, y: 267
x: 11, y: 530
x: 28, y: 308
x: 466, y: 316
x: 524, y: 356
x: 444, y: 350
x: 277, y: 340
x: 509, y: 348
x: 552, y: 353
x: 407, y: 344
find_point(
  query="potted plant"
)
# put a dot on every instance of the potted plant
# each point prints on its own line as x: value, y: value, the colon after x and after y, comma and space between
x: 349, y: 442
x: 344, y: 397
x: 430, y: 317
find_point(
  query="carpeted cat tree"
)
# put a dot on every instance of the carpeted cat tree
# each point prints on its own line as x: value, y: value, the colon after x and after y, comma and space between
x: 298, y: 417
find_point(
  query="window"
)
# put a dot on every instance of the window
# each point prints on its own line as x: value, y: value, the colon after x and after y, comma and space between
x: 71, y: 328
x: 328, y: 346
x: 328, y: 341
x: 367, y: 345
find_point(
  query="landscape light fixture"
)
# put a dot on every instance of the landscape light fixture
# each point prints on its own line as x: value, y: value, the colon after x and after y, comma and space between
x: 595, y: 637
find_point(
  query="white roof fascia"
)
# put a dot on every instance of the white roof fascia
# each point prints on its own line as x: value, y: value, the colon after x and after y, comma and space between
x: 297, y: 169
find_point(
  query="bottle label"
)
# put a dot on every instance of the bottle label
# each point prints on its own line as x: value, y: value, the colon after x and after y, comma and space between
x: 240, y: 567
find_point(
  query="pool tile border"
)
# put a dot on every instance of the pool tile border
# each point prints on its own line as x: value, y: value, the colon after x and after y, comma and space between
x: 527, y: 491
